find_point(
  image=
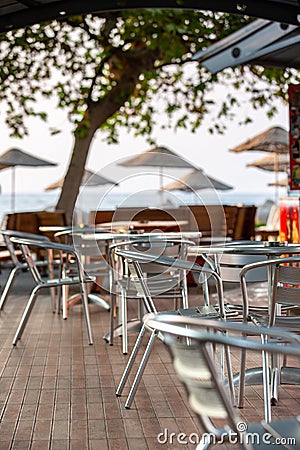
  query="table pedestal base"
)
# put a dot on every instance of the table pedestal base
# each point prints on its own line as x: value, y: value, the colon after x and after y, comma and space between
x: 277, y: 377
x: 133, y: 326
x: 288, y: 375
x: 97, y: 300
x: 92, y: 298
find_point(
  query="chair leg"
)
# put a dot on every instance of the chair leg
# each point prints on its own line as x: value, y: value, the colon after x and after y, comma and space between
x: 53, y: 299
x: 274, y: 386
x: 242, y: 379
x: 124, y: 322
x: 229, y: 374
x: 275, y: 380
x: 26, y: 314
x: 131, y: 360
x: 185, y: 301
x: 266, y: 383
x: 8, y: 285
x: 111, y: 319
x: 52, y: 290
x: 203, y: 444
x: 85, y: 304
x: 65, y: 297
x: 140, y: 371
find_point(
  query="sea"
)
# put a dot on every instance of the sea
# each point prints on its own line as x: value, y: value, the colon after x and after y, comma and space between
x: 107, y: 201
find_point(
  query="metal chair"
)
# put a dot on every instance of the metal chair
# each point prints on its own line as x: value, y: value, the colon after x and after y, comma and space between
x: 134, y: 261
x: 92, y: 258
x: 163, y: 283
x: 282, y: 300
x: 65, y: 252
x: 190, y: 342
x: 15, y: 258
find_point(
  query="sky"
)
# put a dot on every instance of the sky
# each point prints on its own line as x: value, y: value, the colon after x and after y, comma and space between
x: 210, y: 152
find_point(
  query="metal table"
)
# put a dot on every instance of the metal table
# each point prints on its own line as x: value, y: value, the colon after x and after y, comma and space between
x: 146, y: 225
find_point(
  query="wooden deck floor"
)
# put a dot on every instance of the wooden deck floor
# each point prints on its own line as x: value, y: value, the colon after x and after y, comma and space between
x: 57, y: 392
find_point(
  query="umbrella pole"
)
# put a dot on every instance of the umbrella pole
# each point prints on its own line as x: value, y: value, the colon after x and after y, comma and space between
x: 13, y: 186
x: 276, y: 177
x: 161, y: 184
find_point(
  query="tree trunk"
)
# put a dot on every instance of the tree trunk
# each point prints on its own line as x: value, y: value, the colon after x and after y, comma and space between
x: 96, y: 114
x: 72, y: 181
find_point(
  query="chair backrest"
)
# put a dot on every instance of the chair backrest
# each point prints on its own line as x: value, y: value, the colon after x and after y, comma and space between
x: 92, y: 252
x: 156, y: 246
x: 87, y: 248
x: 65, y: 252
x: 9, y: 234
x: 136, y: 260
x: 285, y: 284
x: 176, y: 248
x: 231, y: 265
x: 190, y: 343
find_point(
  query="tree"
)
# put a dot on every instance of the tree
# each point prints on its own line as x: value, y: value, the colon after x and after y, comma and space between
x: 108, y: 69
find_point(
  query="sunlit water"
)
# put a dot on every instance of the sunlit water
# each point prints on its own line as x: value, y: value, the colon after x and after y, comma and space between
x: 96, y: 200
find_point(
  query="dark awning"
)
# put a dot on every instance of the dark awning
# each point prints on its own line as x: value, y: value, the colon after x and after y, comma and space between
x: 16, y: 14
x: 270, y: 44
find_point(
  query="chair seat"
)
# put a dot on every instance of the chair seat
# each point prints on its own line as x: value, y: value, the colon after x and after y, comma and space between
x: 292, y: 323
x: 67, y: 280
x: 266, y: 436
x: 157, y: 285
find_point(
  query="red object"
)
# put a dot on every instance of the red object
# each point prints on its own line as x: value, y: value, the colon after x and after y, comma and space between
x: 295, y: 222
x: 289, y: 220
x: 284, y: 230
x: 294, y: 144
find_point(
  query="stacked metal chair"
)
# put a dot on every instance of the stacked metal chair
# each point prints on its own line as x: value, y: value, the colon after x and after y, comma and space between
x: 283, y: 302
x: 190, y: 343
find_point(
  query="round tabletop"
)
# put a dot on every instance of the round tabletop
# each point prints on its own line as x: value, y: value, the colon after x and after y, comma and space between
x: 259, y: 248
x: 168, y: 235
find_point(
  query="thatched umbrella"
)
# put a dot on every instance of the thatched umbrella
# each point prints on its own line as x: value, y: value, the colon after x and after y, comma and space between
x: 274, y: 139
x: 16, y: 157
x: 273, y: 162
x: 283, y: 182
x: 89, y: 179
x: 160, y: 157
x: 195, y: 181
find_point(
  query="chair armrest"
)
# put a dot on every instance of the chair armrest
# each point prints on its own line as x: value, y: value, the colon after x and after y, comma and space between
x: 22, y: 235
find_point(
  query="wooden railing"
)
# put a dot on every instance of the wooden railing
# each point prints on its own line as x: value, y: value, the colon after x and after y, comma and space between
x: 231, y: 221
